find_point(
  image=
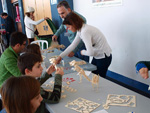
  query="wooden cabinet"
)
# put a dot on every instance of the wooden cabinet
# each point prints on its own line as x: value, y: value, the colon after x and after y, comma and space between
x: 42, y: 9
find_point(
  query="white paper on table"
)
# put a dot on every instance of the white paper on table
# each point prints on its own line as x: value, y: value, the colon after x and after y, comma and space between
x: 87, y: 73
x: 101, y: 111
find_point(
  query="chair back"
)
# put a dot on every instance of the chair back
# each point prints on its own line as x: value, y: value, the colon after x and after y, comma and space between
x: 40, y: 43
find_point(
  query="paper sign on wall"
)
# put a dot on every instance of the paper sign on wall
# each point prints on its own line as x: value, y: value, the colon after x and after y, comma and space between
x: 105, y: 3
x: 53, y: 2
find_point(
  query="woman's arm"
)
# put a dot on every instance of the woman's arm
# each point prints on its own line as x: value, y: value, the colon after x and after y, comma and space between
x: 29, y: 20
x: 87, y: 39
x: 71, y: 47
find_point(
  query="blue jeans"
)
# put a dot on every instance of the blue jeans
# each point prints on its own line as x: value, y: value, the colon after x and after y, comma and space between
x: 102, y: 65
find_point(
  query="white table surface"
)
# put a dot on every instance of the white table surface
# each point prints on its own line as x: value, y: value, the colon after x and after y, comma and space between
x: 85, y: 90
x: 67, y: 67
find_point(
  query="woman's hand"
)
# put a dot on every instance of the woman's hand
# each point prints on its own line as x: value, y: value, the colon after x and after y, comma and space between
x: 58, y: 60
x: 81, y: 52
x: 46, y: 18
x: 71, y: 54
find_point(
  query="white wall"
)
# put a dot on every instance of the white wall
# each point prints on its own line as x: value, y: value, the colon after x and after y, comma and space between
x: 127, y: 29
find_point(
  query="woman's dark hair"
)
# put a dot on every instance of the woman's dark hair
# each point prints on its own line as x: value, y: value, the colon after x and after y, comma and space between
x: 28, y: 14
x: 17, y: 93
x: 74, y: 20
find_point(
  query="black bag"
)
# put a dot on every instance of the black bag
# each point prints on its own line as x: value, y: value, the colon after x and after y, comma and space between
x: 36, y: 32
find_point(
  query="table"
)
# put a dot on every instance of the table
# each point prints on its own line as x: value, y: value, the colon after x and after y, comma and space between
x: 67, y: 67
x: 86, y: 91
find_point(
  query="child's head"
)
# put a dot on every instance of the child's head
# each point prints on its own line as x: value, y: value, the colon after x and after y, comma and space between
x: 19, y: 97
x: 30, y: 64
x: 34, y: 48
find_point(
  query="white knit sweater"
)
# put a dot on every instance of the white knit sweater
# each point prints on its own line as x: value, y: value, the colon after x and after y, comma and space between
x: 95, y: 43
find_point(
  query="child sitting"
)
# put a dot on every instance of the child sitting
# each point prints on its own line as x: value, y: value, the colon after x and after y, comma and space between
x: 19, y: 97
x: 33, y: 48
x: 30, y: 64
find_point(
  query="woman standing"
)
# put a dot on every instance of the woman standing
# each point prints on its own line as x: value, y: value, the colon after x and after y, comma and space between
x: 95, y: 43
x: 30, y: 23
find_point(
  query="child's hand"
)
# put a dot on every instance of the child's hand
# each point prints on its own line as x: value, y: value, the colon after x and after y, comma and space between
x: 59, y: 71
x: 50, y: 69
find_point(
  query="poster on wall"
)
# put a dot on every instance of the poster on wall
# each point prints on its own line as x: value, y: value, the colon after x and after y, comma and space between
x: 106, y: 3
x: 53, y: 2
x: 4, y: 6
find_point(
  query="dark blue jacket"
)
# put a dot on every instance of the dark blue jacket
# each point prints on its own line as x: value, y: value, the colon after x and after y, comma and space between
x: 9, y: 25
